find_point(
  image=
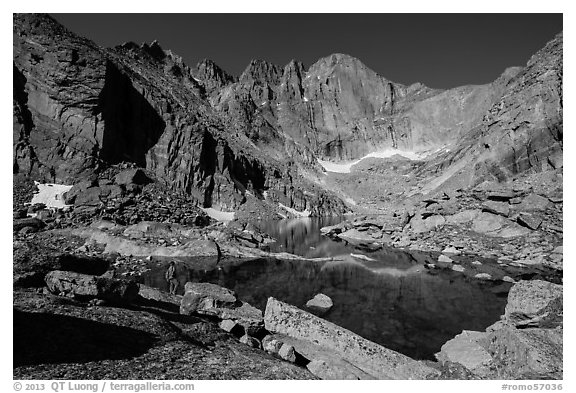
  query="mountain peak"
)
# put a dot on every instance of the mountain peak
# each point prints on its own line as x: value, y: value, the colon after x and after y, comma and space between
x: 261, y: 70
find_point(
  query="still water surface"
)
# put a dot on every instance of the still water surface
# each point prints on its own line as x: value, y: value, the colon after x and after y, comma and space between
x: 392, y: 300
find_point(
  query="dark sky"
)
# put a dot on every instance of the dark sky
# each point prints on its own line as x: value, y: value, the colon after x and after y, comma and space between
x: 439, y: 50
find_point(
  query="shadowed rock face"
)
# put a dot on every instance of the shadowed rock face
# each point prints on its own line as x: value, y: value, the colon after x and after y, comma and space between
x: 79, y: 108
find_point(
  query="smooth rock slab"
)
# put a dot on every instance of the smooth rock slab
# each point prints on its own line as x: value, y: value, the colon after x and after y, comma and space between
x: 324, y: 363
x: 501, y: 208
x: 356, y: 237
x: 534, y: 202
x: 373, y: 359
x: 462, y: 217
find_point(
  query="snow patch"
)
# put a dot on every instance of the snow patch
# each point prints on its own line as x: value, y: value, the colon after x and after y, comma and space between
x: 219, y: 215
x: 350, y: 201
x: 362, y: 256
x: 52, y: 195
x: 330, y: 166
x: 305, y: 213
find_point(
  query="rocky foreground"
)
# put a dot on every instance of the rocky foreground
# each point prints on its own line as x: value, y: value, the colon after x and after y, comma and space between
x: 78, y: 313
x: 86, y: 326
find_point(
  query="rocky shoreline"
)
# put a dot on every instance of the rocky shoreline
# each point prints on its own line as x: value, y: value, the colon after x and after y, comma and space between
x: 78, y: 266
x: 518, y: 223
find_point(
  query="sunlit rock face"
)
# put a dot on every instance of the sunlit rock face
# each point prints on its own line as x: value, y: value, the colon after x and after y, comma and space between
x: 77, y: 108
x: 521, y: 131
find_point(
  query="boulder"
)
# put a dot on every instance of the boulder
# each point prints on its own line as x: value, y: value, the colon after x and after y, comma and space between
x: 496, y: 225
x: 500, y: 195
x: 501, y: 208
x: 31, y: 222
x: 250, y: 341
x: 535, y: 303
x: 271, y: 345
x: 214, y: 300
x: 356, y: 237
x: 468, y: 349
x: 533, y: 202
x: 287, y: 353
x: 532, y: 353
x: 333, y: 229
x: 206, y: 298
x: 247, y: 316
x: 420, y: 225
x: 371, y: 358
x: 86, y: 286
x: 323, y: 363
x: 158, y: 296
x: 451, y: 250
x: 487, y: 222
x: 228, y: 325
x: 529, y: 221
x: 320, y: 304
x: 77, y: 189
x: 444, y: 262
x: 483, y: 276
x: 131, y: 176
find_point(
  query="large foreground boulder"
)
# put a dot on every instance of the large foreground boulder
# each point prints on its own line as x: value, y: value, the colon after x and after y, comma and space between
x: 86, y: 286
x: 525, y: 344
x: 527, y: 353
x: 371, y: 358
x: 535, y: 303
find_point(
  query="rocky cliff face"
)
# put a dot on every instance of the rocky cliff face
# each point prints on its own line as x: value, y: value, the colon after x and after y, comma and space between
x: 339, y: 109
x: 79, y: 108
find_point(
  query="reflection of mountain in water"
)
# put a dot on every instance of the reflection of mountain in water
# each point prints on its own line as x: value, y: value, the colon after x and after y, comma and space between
x: 302, y: 236
x: 397, y: 304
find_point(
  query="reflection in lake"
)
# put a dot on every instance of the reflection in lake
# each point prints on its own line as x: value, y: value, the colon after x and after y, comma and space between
x: 395, y: 302
x: 301, y: 236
